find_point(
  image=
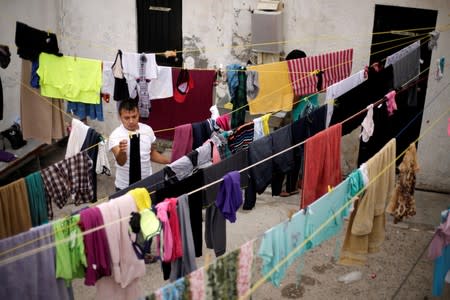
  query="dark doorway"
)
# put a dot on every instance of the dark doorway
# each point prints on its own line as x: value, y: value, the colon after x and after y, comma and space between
x: 159, y: 24
x: 418, y: 23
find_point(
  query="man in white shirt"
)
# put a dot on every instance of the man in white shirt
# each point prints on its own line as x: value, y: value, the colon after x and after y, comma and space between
x: 119, y: 144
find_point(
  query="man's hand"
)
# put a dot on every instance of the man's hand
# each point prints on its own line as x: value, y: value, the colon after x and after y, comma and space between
x: 123, y: 146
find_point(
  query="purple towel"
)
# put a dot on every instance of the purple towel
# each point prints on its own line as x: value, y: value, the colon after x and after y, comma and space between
x: 229, y: 198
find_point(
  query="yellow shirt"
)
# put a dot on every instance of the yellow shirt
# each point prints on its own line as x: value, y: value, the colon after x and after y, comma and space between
x: 141, y: 198
x: 275, y: 89
x: 70, y: 78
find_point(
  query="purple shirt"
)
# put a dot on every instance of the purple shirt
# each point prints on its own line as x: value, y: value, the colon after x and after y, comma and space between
x: 229, y: 198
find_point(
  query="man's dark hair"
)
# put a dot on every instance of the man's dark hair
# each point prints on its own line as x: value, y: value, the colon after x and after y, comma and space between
x: 128, y: 105
x: 294, y: 54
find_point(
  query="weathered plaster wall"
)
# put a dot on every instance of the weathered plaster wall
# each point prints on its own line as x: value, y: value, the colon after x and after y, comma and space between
x: 41, y: 14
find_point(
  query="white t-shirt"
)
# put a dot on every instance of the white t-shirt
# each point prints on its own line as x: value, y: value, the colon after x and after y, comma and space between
x: 146, y: 138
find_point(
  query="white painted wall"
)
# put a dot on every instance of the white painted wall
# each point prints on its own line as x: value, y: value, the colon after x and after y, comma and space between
x: 39, y: 14
x: 211, y: 28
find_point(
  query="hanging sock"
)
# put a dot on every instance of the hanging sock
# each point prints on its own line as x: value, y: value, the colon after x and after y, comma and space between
x: 391, y: 104
x: 135, y: 159
x: 367, y: 125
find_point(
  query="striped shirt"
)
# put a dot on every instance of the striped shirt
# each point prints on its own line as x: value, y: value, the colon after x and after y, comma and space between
x: 334, y: 65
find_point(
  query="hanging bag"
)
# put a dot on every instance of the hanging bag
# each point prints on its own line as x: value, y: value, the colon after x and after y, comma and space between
x: 120, y: 83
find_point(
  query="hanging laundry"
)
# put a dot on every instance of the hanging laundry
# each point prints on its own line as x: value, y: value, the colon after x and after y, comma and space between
x: 215, y: 230
x: 195, y: 107
x: 171, y: 234
x: 322, y: 164
x: 127, y: 269
x: 84, y: 110
x: 367, y: 125
x: 72, y: 78
x: 39, y: 120
x: 14, y: 209
x: 245, y: 268
x: 252, y: 84
x: 305, y: 106
x: 70, y: 256
x: 96, y: 246
x: 33, y: 276
x: 102, y: 166
x: 201, y: 131
x: 258, y: 128
x: 283, y: 163
x: 390, y: 103
x: 141, y: 198
x: 335, y: 67
x: 78, y: 133
x: 5, y: 59
x: 31, y: 42
x: 439, y: 251
x: 434, y: 37
x: 440, y: 67
x: 139, y: 69
x: 120, y: 83
x: 186, y: 264
x: 90, y: 145
x: 222, y: 276
x: 34, y: 82
x: 261, y: 174
x: 237, y: 87
x: 69, y: 177
x: 229, y: 198
x: 161, y: 87
x: 378, y: 84
x: 196, y: 284
x: 241, y: 137
x: 276, y: 90
x: 402, y: 203
x: 37, y: 199
x: 402, y: 53
x: 277, y: 243
x: 340, y: 88
x: 365, y: 231
x: 107, y: 89
x: 406, y: 67
x: 224, y: 122
x: 174, y: 291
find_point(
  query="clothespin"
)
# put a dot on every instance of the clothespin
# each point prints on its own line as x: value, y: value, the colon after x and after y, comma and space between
x: 330, y: 188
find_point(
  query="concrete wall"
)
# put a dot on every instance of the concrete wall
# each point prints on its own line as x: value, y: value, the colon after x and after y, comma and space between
x: 213, y: 31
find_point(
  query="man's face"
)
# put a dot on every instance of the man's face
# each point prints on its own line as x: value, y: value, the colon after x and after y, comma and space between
x: 130, y: 119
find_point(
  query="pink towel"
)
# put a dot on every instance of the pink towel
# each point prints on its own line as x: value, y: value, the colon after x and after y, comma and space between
x: 334, y: 65
x: 391, y: 104
x: 182, y: 141
x: 322, y: 164
x: 224, y: 122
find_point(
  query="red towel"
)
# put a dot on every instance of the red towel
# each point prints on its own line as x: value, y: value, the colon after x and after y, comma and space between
x: 322, y: 164
x: 334, y: 65
x: 182, y: 141
x: 224, y: 122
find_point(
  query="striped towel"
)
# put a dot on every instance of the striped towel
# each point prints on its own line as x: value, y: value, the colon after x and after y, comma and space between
x: 334, y: 65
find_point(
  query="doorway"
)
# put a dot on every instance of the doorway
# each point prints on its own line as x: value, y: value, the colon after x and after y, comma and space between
x: 406, y: 25
x: 159, y: 25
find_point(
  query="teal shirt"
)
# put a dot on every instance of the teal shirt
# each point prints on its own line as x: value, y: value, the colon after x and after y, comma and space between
x: 284, y: 238
x: 299, y: 109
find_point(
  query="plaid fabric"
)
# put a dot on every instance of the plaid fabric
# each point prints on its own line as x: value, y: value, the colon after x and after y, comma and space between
x: 69, y: 177
x: 334, y: 65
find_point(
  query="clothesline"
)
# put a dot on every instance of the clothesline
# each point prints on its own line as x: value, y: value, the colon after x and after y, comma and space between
x: 286, y: 150
x: 239, y: 108
x: 2, y: 262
